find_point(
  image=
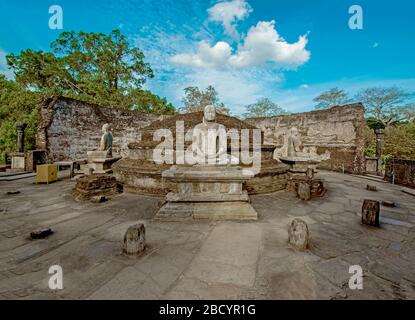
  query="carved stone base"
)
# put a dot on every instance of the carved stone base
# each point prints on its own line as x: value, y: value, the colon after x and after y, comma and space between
x: 207, y: 193
x: 100, y: 165
x: 316, y: 186
x: 90, y: 186
x: 300, y: 164
x: 187, y: 211
x: 18, y: 162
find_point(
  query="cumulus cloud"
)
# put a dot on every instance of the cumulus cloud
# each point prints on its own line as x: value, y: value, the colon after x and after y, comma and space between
x: 212, y: 57
x: 261, y: 44
x: 228, y: 13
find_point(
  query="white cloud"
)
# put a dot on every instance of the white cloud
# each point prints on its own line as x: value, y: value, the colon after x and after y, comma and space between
x: 4, y: 68
x: 207, y: 57
x: 261, y: 44
x: 167, y: 50
x: 228, y: 13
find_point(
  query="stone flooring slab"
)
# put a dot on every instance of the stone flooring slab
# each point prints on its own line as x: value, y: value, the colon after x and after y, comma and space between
x: 207, y: 260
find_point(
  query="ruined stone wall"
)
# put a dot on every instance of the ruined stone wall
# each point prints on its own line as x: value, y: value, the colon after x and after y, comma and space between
x: 69, y: 128
x: 404, y: 171
x: 335, y: 136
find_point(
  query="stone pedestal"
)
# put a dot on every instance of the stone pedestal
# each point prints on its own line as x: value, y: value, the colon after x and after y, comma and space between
x: 99, y: 162
x: 18, y: 162
x: 371, y: 165
x: 207, y: 193
x: 316, y: 186
x: 90, y: 186
x: 300, y: 164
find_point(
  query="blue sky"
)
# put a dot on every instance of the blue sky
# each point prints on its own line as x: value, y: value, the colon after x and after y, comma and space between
x: 288, y: 51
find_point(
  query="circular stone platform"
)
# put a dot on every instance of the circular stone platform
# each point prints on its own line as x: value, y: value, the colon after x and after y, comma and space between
x: 140, y: 174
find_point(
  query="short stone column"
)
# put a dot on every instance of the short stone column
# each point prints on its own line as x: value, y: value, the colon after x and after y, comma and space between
x: 304, y: 191
x: 20, y: 127
x: 379, y: 137
x: 134, y: 239
x: 370, y: 213
x: 298, y: 234
x: 19, y: 158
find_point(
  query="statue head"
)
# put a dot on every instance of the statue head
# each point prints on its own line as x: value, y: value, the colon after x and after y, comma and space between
x: 106, y: 127
x: 209, y: 113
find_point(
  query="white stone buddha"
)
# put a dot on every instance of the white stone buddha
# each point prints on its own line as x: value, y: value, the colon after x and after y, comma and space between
x: 294, y: 144
x: 209, y: 141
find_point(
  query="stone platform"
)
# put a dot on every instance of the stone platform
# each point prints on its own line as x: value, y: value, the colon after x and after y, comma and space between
x: 100, y: 162
x: 218, y: 260
x: 176, y: 211
x: 141, y: 175
x: 89, y: 186
x: 207, y: 192
x: 300, y: 164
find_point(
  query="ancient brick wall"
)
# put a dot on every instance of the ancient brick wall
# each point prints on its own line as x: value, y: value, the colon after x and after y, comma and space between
x: 404, y: 171
x: 69, y: 128
x: 335, y: 136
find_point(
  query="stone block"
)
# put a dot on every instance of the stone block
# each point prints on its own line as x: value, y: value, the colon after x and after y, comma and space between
x: 298, y: 234
x: 389, y: 204
x: 304, y: 191
x: 201, y: 194
x: 310, y: 173
x: 370, y: 213
x: 98, y: 199
x: 13, y: 192
x: 317, y: 188
x: 90, y: 186
x: 134, y: 239
x: 18, y: 161
x: 41, y: 233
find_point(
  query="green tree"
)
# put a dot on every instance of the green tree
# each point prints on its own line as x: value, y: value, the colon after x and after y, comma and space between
x: 145, y: 101
x: 16, y: 105
x: 263, y: 108
x: 399, y: 141
x: 196, y: 100
x: 94, y: 67
x: 386, y: 105
x: 331, y: 98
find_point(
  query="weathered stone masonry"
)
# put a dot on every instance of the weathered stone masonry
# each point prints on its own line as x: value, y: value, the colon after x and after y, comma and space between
x: 69, y: 128
x: 401, y: 172
x: 335, y: 136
